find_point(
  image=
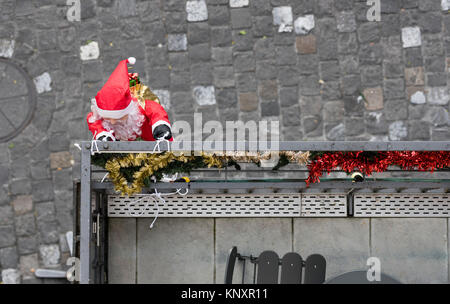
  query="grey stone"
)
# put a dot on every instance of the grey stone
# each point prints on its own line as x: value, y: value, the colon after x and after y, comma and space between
x: 413, y: 57
x: 180, y: 81
x: 48, y: 232
x: 223, y: 77
x: 441, y: 134
x: 354, y: 126
x: 262, y: 26
x: 198, y: 33
x: 8, y: 257
x: 177, y: 42
x: 431, y: 22
x: 390, y: 25
x: 402, y: 243
x: 6, y: 215
x: 437, y: 116
x: 183, y: 102
x: 346, y: 22
x: 179, y: 61
x: 218, y: 15
x: 345, y: 251
x: 220, y: 36
x: 288, y: 76
x: 42, y: 190
x: 392, y: 68
x: 154, y: 33
x: 241, y: 18
x: 371, y: 76
x: 288, y: 96
x: 201, y: 74
x: 326, y: 28
x: 419, y: 130
x: 268, y: 90
x: 327, y: 49
x: 396, y: 109
x: 432, y: 45
x: 312, y: 125
x: 50, y: 255
x: 370, y: 54
x: 291, y: 116
x: 196, y: 10
x: 331, y: 90
x: 271, y: 108
x: 349, y: 64
x: 369, y: 32
x: 25, y: 225
x: 310, y: 105
x: 226, y: 98
x: 20, y: 186
x: 437, y: 96
x: 347, y: 43
x: 266, y: 70
x: 335, y: 132
x: 199, y: 52
x: 394, y: 88
x: 243, y: 62
x: 264, y: 49
x: 45, y: 212
x: 7, y: 236
x: 376, y: 123
x: 28, y: 264
x: 309, y: 85
x: 262, y: 234
x: 246, y: 82
x: 243, y: 41
x: 429, y: 5
x: 176, y: 22
x: 333, y: 111
x: 173, y: 265
x: 222, y: 55
x: 329, y: 70
x: 26, y: 245
x: 436, y: 79
x: 159, y: 78
x: 398, y: 131
x: 434, y: 64
x: 350, y: 84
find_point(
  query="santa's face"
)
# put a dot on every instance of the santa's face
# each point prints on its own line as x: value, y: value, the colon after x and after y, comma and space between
x: 113, y: 121
x: 127, y: 127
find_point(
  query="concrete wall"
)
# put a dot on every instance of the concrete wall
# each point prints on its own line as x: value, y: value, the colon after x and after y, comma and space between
x: 194, y: 250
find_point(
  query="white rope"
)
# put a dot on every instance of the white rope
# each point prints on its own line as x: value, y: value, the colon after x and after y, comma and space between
x: 156, y: 196
x: 94, y: 142
x: 103, y: 179
x: 159, y: 140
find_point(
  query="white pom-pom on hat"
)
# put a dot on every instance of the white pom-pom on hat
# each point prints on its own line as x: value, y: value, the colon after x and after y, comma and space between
x: 131, y: 60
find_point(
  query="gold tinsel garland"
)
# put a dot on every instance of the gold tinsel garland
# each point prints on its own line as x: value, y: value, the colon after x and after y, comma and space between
x: 149, y: 163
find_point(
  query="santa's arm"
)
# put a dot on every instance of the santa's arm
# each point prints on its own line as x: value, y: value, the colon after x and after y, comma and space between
x: 159, y: 120
x: 96, y: 127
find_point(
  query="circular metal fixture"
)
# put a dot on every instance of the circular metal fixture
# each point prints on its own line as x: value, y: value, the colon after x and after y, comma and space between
x: 17, y: 99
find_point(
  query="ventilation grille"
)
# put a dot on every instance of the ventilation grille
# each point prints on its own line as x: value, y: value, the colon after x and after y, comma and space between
x: 327, y: 205
x: 395, y: 205
x: 206, y: 205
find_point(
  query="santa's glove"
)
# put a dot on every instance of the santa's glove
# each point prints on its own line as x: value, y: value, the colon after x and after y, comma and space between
x: 107, y: 137
x: 162, y: 131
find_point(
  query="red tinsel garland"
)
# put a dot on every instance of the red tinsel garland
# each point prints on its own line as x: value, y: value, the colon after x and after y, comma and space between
x: 379, y: 162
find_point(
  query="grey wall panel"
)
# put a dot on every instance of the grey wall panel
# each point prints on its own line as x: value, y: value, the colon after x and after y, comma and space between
x: 122, y: 250
x: 343, y: 242
x: 176, y: 250
x: 412, y: 250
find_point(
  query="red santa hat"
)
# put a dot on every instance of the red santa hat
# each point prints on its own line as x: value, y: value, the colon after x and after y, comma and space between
x: 114, y: 99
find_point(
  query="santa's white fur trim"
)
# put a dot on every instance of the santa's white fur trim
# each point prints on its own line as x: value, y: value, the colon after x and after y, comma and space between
x: 114, y: 114
x: 131, y: 60
x: 160, y: 122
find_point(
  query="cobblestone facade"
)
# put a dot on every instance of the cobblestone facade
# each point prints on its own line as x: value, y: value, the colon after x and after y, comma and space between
x: 319, y: 67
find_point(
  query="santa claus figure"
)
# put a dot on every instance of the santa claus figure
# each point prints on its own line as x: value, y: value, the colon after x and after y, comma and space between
x: 117, y: 115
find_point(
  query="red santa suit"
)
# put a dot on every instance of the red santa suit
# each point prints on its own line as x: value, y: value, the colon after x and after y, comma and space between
x: 114, y: 101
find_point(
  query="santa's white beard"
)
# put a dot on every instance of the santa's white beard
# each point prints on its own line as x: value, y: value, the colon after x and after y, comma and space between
x: 130, y: 129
